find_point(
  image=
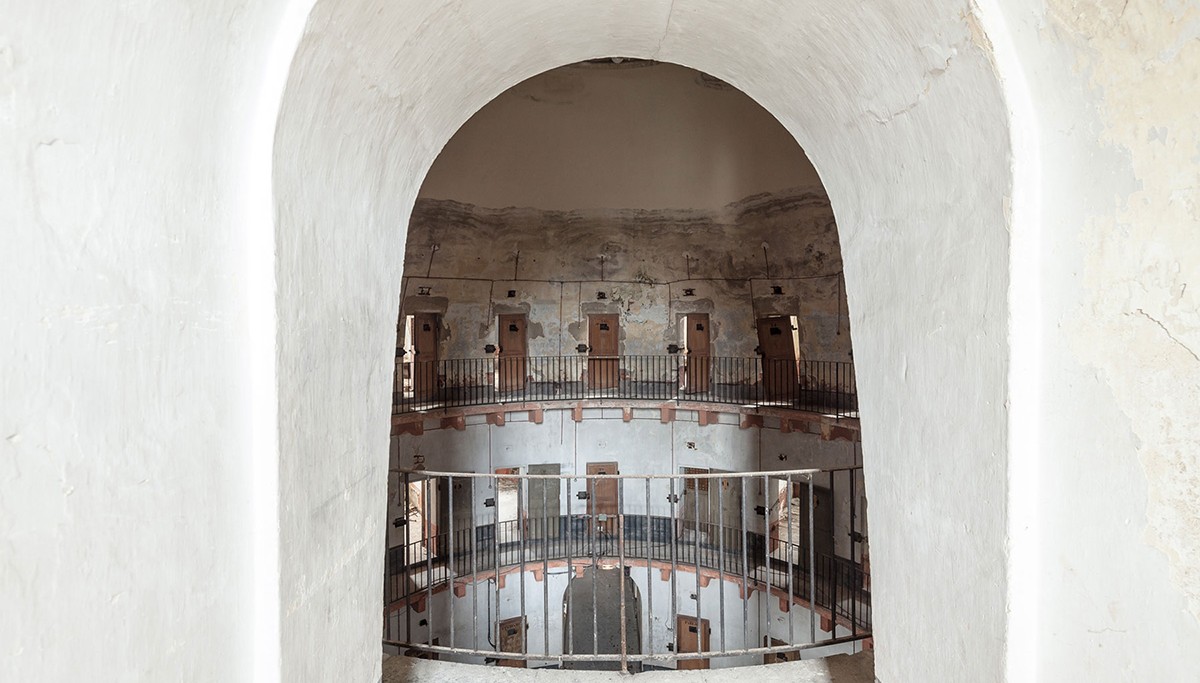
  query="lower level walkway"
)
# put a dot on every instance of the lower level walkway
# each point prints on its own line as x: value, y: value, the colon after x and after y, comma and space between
x: 857, y: 668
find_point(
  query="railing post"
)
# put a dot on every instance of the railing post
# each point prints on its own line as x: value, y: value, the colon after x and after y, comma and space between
x: 428, y: 560
x: 450, y: 569
x: 647, y: 536
x: 407, y: 562
x: 621, y: 577
x: 545, y: 536
x: 570, y: 573
x: 696, y: 557
x: 812, y: 567
x: 791, y: 547
x: 745, y: 566
x: 495, y: 626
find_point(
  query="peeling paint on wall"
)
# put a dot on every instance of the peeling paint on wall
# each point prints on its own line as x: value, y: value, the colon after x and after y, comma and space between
x: 1139, y: 323
x: 650, y: 267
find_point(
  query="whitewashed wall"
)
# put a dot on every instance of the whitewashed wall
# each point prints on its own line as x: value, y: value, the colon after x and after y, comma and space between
x: 140, y: 398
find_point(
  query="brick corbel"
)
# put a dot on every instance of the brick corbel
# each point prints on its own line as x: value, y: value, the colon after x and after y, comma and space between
x: 416, y: 428
x: 749, y: 421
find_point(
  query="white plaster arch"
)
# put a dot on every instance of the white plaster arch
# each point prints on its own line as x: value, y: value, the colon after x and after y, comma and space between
x: 900, y: 109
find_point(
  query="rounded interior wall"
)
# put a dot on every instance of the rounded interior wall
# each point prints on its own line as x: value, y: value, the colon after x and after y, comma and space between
x: 909, y: 132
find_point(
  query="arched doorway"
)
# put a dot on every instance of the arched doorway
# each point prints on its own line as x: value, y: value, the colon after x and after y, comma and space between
x: 594, y: 625
x: 367, y: 110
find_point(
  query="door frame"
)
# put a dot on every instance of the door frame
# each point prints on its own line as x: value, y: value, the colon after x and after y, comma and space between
x: 604, y: 369
x: 511, y: 365
x: 703, y: 636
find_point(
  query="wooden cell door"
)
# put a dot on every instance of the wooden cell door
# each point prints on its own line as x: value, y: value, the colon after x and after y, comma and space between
x: 691, y: 635
x: 778, y: 347
x: 425, y: 355
x: 823, y: 533
x: 544, y: 502
x: 512, y: 639
x: 699, y: 353
x: 602, y: 496
x: 604, y: 366
x: 512, y: 353
x: 695, y: 502
x: 456, y: 513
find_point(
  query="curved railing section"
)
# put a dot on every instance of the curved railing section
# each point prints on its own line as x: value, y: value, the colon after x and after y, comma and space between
x: 822, y: 386
x: 749, y: 547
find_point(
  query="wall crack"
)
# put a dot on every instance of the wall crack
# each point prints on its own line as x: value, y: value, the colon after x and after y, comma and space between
x: 1167, y: 332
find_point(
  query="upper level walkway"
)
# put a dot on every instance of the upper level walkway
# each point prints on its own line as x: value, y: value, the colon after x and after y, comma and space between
x: 821, y: 387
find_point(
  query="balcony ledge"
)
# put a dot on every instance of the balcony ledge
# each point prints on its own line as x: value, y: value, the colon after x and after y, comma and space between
x: 856, y: 668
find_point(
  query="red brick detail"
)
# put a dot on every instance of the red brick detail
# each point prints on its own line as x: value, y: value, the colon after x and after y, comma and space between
x: 577, y: 413
x: 495, y: 419
x: 535, y: 416
x: 835, y: 433
x: 457, y: 422
x: 749, y: 421
x: 785, y: 605
x: 666, y: 414
x: 826, y: 624
x: 708, y: 417
x: 460, y: 589
x: 416, y: 428
x: 626, y: 414
x: 785, y: 426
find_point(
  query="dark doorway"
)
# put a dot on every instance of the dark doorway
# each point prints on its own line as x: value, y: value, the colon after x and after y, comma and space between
x: 544, y: 502
x: 425, y: 355
x: 596, y: 596
x: 602, y: 497
x: 777, y: 342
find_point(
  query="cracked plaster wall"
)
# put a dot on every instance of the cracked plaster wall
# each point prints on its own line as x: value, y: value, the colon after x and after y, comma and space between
x: 555, y: 263
x: 1117, y: 538
x: 131, y: 349
x: 127, y: 416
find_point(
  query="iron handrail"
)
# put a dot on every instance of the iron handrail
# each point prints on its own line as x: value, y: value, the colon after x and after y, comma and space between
x: 822, y: 386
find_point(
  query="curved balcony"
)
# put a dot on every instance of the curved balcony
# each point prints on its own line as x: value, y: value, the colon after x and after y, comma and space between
x: 749, y: 580
x: 825, y: 387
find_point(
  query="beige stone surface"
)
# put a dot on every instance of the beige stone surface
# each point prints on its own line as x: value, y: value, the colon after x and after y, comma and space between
x: 858, y: 668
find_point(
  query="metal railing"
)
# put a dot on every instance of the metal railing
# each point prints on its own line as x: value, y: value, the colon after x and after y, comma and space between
x: 691, y: 529
x: 822, y: 386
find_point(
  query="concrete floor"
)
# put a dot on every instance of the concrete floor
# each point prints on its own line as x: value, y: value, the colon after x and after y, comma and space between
x: 857, y: 668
